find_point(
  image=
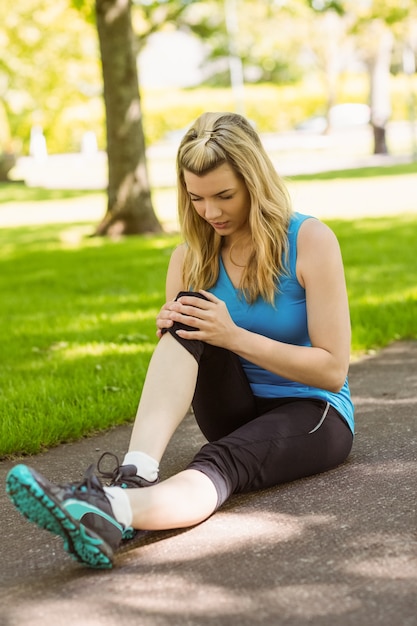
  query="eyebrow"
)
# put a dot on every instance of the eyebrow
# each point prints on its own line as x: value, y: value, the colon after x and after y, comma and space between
x: 220, y: 193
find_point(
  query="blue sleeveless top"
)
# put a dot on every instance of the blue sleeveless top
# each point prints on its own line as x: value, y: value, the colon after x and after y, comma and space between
x: 286, y: 322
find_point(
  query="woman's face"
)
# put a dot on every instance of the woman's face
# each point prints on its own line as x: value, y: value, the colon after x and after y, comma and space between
x: 222, y: 199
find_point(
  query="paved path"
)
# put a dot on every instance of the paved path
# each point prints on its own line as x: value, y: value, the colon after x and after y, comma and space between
x: 339, y: 549
x: 330, y: 199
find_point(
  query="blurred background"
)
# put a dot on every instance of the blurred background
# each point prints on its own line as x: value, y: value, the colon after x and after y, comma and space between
x: 328, y: 84
x: 95, y: 96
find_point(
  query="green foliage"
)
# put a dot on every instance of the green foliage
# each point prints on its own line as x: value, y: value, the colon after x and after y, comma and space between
x: 50, y: 67
x: 391, y: 11
x: 151, y: 16
x: 273, y: 108
x: 270, y: 107
x: 252, y: 39
x: 327, y: 5
x: 86, y: 8
x: 50, y: 73
x: 78, y: 330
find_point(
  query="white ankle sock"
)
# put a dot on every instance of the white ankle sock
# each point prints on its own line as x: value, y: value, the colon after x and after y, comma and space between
x: 120, y: 504
x: 147, y: 467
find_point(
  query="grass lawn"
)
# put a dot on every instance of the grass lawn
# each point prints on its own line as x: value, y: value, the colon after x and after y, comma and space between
x: 77, y: 334
x: 381, y: 275
x: 19, y: 192
x: 79, y: 319
x: 362, y: 172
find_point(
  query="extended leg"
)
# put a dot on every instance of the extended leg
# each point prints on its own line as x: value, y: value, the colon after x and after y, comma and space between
x: 296, y: 440
x: 183, y: 500
x: 91, y: 521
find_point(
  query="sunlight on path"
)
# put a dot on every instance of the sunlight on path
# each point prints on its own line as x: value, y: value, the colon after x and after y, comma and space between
x: 356, y: 198
x: 83, y: 209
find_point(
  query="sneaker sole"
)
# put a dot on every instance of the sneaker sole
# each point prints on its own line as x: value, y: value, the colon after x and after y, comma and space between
x: 42, y: 509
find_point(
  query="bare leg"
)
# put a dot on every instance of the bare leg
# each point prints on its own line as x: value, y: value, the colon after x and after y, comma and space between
x: 183, y: 500
x: 166, y: 397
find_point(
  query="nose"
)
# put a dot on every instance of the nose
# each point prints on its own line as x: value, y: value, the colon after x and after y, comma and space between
x: 211, y: 210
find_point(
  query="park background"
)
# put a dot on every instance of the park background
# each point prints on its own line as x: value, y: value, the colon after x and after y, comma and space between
x: 330, y: 86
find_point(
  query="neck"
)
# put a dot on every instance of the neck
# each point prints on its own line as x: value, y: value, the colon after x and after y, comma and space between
x: 238, y: 251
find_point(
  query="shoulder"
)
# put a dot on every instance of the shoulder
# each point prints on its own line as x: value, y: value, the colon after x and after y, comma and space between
x: 176, y: 261
x: 174, y: 281
x: 307, y: 227
x: 178, y: 254
x: 314, y: 233
x: 318, y: 251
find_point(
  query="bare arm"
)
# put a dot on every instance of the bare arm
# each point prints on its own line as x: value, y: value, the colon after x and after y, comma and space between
x: 325, y: 364
x: 173, y: 285
x: 320, y: 271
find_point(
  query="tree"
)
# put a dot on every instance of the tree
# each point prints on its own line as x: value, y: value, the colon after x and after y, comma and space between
x: 129, y: 203
x: 49, y: 71
x: 247, y: 30
x: 375, y: 24
x: 379, y: 61
x: 380, y: 24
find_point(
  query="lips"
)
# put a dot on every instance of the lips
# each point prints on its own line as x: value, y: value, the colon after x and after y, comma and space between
x: 219, y: 224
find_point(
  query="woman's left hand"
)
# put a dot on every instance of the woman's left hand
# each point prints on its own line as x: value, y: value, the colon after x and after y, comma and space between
x: 210, y: 318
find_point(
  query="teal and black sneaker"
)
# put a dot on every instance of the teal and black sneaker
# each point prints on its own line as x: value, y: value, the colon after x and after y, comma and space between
x: 80, y: 513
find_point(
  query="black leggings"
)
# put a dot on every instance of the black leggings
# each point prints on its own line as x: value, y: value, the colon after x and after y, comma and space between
x: 255, y: 443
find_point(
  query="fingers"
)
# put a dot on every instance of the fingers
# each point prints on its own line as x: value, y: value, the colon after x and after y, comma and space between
x: 163, y: 319
x: 163, y: 323
x: 190, y: 310
x: 199, y: 303
x: 177, y: 312
x: 210, y: 296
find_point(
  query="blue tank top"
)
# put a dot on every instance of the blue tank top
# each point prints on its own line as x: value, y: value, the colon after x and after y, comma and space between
x: 286, y: 322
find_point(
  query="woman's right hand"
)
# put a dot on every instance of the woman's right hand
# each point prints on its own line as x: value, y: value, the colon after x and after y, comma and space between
x: 163, y: 320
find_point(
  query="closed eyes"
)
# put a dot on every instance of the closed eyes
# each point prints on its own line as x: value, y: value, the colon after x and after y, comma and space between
x: 220, y: 196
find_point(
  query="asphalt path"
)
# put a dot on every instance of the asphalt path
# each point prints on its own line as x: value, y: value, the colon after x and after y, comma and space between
x: 338, y: 549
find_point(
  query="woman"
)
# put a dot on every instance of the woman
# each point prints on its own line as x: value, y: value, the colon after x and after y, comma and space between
x: 255, y: 335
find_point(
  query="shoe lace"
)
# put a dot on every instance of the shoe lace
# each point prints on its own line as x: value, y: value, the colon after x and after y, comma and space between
x: 89, y: 483
x: 115, y: 474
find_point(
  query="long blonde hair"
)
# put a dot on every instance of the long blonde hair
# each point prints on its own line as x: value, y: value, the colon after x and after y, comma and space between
x: 214, y: 139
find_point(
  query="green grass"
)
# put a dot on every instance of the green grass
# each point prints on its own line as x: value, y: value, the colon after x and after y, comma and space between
x: 360, y: 172
x: 381, y: 275
x: 78, y: 319
x: 77, y: 334
x: 19, y: 192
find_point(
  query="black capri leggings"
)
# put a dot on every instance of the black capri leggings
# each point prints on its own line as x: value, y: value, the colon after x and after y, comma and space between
x: 254, y: 442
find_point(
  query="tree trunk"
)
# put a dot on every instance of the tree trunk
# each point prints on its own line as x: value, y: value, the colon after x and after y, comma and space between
x: 379, y: 84
x: 380, y: 139
x: 332, y: 47
x: 129, y: 205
